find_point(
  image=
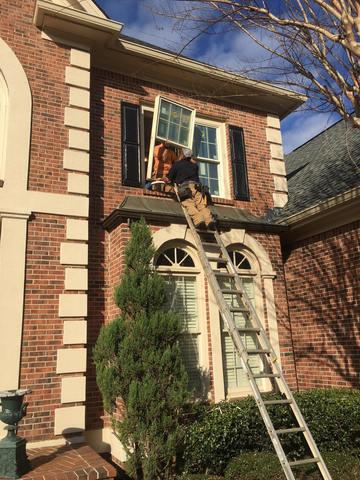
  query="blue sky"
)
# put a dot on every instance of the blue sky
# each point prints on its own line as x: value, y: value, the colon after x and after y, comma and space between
x: 231, y: 50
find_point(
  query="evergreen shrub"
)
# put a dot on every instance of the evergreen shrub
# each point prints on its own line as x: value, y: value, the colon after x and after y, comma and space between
x: 138, y: 360
x: 227, y: 429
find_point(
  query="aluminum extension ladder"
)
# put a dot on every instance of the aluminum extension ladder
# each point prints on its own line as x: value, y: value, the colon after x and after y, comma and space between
x: 272, y: 370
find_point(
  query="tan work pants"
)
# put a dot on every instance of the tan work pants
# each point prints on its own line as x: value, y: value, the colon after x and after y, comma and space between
x: 196, y: 208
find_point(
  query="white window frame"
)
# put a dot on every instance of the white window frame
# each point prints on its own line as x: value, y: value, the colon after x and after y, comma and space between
x: 223, y: 172
x: 203, y: 361
x: 3, y: 124
x: 155, y: 124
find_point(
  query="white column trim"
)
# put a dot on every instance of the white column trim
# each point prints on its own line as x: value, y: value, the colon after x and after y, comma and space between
x: 12, y: 281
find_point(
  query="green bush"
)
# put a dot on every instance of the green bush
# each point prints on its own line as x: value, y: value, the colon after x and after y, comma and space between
x: 266, y: 466
x: 254, y: 466
x: 138, y: 359
x: 200, y: 476
x: 223, y: 431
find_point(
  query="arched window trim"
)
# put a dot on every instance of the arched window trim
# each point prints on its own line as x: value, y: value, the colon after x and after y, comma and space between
x: 177, y: 268
x: 4, y: 100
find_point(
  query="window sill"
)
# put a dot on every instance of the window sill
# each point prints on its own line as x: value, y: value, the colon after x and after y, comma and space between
x: 216, y: 200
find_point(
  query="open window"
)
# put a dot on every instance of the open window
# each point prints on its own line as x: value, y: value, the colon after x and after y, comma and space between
x: 172, y: 123
x: 154, y: 135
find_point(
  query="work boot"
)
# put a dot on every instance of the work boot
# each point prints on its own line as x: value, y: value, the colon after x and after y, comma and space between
x: 211, y: 225
x: 200, y: 226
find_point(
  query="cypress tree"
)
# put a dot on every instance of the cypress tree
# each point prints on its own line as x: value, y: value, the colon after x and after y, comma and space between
x: 138, y: 359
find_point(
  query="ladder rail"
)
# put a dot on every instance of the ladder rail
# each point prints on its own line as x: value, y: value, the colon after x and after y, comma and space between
x: 243, y: 355
x: 284, y: 388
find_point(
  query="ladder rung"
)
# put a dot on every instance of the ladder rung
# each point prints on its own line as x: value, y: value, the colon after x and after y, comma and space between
x: 257, y: 351
x: 282, y: 431
x: 210, y: 244
x: 217, y: 259
x: 238, y: 309
x: 306, y: 461
x: 249, y: 330
x: 224, y: 274
x: 204, y: 230
x: 266, y: 375
x: 277, y: 402
x: 233, y: 291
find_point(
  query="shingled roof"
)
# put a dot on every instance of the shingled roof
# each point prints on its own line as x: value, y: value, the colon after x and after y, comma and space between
x: 325, y: 166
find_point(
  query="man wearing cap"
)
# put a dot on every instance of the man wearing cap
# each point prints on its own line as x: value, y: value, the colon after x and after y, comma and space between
x: 185, y: 173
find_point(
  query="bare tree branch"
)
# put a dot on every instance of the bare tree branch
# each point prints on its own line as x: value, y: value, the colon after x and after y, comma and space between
x: 316, y: 43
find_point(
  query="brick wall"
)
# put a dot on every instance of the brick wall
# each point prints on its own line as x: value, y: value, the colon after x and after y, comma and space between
x: 109, y: 89
x: 322, y: 275
x: 272, y: 245
x: 42, y: 328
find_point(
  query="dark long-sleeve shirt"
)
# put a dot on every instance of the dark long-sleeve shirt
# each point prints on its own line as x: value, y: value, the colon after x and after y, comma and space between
x: 184, y: 171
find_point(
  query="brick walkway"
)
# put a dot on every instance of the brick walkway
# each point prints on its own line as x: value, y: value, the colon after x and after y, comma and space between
x: 75, y: 462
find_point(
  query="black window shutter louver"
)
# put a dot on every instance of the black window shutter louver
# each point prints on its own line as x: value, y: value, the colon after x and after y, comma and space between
x: 131, y: 168
x: 238, y: 162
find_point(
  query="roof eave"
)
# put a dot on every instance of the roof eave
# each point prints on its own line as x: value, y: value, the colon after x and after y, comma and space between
x: 129, y: 57
x: 334, y: 212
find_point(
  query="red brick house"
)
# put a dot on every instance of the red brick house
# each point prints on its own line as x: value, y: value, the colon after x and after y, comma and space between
x: 80, y: 108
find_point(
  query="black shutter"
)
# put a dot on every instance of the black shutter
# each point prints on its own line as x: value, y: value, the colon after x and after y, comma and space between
x: 131, y: 168
x: 238, y: 162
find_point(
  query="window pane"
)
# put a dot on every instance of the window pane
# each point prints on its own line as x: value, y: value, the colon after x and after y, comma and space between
x: 165, y: 109
x: 202, y: 169
x: 212, y: 151
x: 203, y: 150
x: 185, y: 118
x: 163, y: 261
x: 171, y: 117
x: 205, y: 142
x: 184, y: 135
x: 211, y: 135
x: 175, y: 114
x: 173, y: 132
x: 208, y: 174
x: 162, y: 128
x: 213, y: 170
x: 214, y: 187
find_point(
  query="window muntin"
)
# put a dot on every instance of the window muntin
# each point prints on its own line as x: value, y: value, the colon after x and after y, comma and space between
x: 183, y: 299
x: 206, y: 147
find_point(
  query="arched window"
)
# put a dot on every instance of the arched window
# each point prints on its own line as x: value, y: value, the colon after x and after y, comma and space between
x: 3, y: 125
x: 178, y: 268
x: 235, y: 380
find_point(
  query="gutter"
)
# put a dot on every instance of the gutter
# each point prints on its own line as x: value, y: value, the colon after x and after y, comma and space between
x: 46, y: 13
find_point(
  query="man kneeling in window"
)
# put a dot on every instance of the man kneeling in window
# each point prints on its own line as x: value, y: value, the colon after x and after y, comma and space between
x: 185, y: 173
